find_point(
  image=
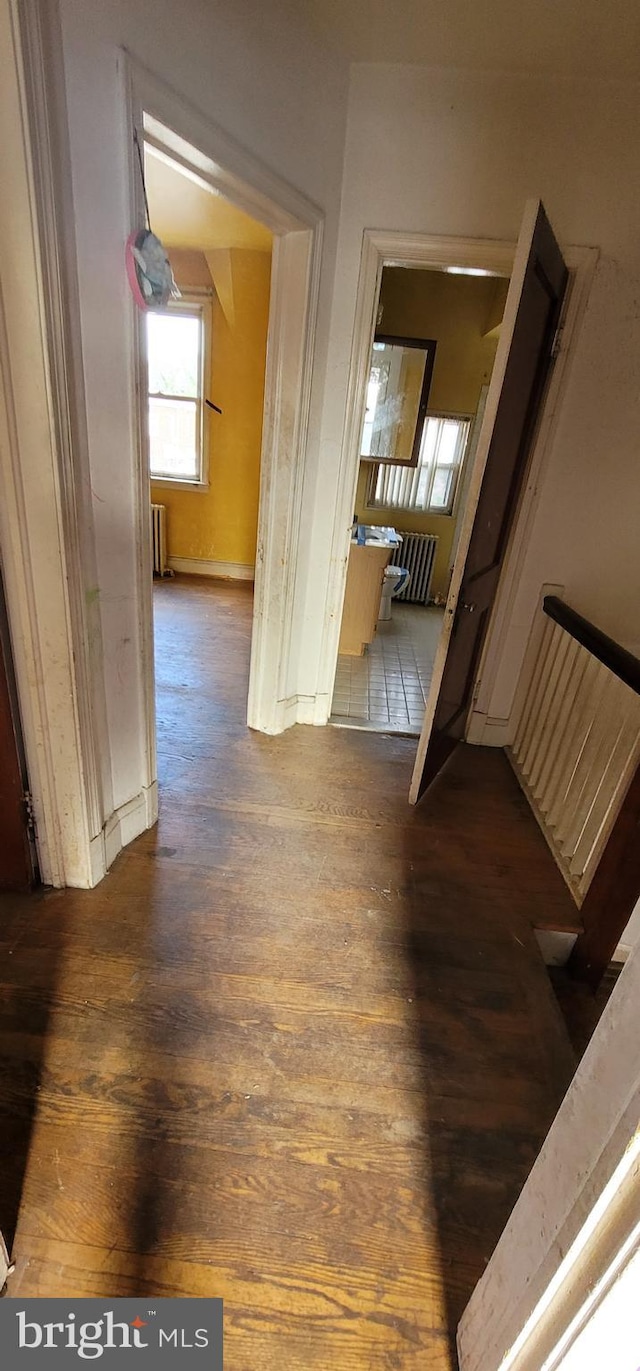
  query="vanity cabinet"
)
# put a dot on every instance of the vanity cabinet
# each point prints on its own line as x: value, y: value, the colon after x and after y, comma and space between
x: 365, y: 575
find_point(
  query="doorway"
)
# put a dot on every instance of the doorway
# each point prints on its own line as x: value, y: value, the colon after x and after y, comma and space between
x: 209, y: 159
x: 540, y: 320
x: 206, y: 361
x: 385, y: 665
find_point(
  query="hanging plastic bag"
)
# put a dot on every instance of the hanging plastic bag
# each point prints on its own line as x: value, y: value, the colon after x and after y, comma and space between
x: 148, y: 267
x: 149, y: 271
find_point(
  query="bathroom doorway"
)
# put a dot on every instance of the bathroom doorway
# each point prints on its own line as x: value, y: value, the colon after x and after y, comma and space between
x: 418, y: 441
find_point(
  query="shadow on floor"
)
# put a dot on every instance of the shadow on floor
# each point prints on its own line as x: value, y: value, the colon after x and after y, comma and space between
x: 32, y: 944
x: 299, y: 1047
x: 496, y: 1058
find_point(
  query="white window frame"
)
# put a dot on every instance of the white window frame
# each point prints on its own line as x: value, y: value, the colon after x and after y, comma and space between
x: 451, y: 510
x: 194, y: 302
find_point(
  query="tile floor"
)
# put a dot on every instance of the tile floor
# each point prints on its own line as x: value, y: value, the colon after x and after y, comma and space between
x: 385, y: 690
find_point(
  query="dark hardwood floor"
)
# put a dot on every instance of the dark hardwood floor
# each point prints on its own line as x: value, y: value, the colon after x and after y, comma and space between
x: 299, y: 1048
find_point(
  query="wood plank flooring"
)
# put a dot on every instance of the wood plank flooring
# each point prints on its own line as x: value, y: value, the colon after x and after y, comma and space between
x: 299, y: 1048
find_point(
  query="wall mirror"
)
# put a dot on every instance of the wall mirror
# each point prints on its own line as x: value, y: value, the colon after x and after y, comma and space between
x: 397, y: 397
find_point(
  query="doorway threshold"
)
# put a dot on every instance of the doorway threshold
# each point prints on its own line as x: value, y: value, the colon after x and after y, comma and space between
x: 373, y: 726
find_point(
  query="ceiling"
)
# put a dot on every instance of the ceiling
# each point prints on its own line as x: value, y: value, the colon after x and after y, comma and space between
x: 186, y: 215
x: 594, y: 38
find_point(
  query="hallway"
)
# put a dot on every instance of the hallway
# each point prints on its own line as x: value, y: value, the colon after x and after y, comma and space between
x: 299, y: 1048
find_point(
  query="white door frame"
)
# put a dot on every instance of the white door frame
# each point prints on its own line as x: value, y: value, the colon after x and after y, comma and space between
x: 202, y: 147
x: 44, y: 523
x: 46, y: 530
x: 391, y: 248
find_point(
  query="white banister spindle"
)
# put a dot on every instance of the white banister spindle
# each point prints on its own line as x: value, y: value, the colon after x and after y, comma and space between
x: 576, y: 747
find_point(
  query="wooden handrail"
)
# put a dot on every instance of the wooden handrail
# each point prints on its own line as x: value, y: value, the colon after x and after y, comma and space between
x: 622, y: 663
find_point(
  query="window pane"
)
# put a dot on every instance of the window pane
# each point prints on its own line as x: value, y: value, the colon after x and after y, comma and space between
x: 173, y: 438
x: 448, y: 441
x: 432, y: 484
x: 174, y: 353
x: 441, y: 488
x: 430, y: 434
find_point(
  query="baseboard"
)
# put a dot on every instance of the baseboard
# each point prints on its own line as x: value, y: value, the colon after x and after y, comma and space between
x: 287, y: 714
x: 126, y: 823
x: 150, y: 793
x: 313, y: 709
x: 225, y: 571
x: 297, y: 709
x: 483, y: 731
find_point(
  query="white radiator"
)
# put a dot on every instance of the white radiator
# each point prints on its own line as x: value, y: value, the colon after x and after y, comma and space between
x: 159, y: 539
x: 418, y: 555
x: 576, y: 748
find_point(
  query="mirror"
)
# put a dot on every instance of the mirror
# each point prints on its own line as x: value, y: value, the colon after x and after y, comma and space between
x: 397, y: 397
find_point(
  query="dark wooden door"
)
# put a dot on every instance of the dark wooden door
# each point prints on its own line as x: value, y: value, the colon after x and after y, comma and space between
x: 532, y: 312
x: 16, y: 860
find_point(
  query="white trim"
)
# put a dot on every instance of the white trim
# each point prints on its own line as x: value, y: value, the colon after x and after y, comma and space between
x: 126, y: 823
x: 44, y: 520
x: 169, y: 483
x: 227, y: 571
x: 197, y: 143
x: 312, y: 709
x: 485, y: 731
x: 188, y: 137
x: 292, y: 321
x: 138, y: 373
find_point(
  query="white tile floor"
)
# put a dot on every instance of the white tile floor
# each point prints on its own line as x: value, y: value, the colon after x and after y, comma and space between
x: 385, y: 690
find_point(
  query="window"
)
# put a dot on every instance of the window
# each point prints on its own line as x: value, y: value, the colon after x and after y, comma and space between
x: 431, y: 486
x: 177, y: 348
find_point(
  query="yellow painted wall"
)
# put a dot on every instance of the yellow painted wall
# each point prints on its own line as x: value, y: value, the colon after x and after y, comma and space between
x: 220, y: 524
x: 457, y: 311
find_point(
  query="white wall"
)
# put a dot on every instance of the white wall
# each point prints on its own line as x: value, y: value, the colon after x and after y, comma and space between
x: 593, y: 1136
x: 452, y: 152
x: 257, y: 73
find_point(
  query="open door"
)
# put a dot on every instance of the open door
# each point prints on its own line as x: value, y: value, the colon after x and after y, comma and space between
x: 525, y: 350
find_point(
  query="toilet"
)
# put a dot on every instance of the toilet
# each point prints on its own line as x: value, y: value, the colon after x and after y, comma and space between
x: 396, y: 579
